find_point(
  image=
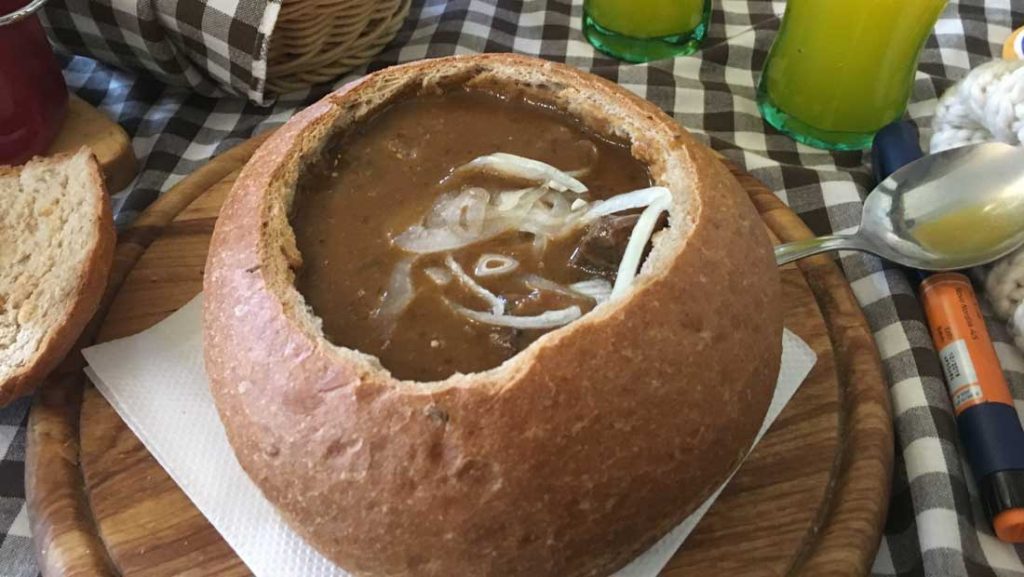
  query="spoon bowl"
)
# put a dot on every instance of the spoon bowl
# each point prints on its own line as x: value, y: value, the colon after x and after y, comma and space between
x: 956, y: 209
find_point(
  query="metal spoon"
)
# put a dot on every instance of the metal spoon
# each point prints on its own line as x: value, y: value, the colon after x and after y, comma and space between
x: 955, y: 209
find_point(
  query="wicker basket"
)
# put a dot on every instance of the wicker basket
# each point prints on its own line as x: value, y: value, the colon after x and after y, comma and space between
x: 316, y: 41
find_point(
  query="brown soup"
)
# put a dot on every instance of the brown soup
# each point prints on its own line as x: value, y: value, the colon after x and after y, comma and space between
x: 385, y: 175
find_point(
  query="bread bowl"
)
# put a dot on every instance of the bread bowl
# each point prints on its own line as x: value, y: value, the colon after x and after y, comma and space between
x: 568, y: 458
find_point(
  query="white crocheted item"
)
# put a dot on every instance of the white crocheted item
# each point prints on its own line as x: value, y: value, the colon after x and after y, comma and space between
x: 1004, y: 285
x: 989, y: 105
x: 986, y: 105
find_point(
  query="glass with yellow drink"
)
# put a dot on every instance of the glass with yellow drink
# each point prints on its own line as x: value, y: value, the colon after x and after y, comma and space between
x: 840, y: 70
x: 644, y: 30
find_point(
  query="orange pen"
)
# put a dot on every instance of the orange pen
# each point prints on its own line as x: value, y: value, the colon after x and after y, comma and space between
x: 986, y: 418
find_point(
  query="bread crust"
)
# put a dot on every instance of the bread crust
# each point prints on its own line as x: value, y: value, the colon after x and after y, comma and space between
x: 568, y: 460
x: 86, y: 296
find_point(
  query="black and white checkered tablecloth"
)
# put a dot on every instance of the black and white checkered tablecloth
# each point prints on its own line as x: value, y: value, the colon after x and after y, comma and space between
x: 210, y: 46
x: 935, y: 525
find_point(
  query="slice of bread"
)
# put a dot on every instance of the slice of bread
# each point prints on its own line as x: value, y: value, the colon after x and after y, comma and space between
x: 56, y: 248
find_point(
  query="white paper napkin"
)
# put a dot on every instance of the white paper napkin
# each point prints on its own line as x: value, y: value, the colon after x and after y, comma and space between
x: 156, y: 382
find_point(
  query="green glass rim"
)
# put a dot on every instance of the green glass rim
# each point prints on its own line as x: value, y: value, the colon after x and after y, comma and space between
x: 639, y: 50
x: 698, y: 33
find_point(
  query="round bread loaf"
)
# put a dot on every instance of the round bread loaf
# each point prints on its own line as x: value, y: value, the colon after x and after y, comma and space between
x: 569, y: 459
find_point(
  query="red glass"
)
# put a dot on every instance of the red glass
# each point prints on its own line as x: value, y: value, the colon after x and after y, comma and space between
x: 33, y: 97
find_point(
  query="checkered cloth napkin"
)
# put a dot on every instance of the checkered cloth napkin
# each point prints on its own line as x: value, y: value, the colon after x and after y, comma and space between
x: 935, y: 525
x: 213, y: 47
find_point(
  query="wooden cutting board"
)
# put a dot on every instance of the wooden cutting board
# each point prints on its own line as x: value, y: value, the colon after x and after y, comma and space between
x: 810, y: 500
x: 86, y: 126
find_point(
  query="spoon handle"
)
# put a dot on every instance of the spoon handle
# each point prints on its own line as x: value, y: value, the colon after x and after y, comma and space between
x: 791, y: 251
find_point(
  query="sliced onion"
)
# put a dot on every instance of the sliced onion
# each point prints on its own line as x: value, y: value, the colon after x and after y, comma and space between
x: 626, y: 201
x: 439, y: 275
x: 399, y: 292
x: 475, y: 216
x: 545, y: 320
x: 419, y: 240
x: 463, y: 213
x: 466, y: 219
x: 511, y: 199
x: 538, y: 225
x: 472, y: 210
x: 526, y: 168
x: 491, y: 264
x: 554, y: 205
x: 538, y: 282
x: 642, y: 231
x: 435, y: 218
x: 596, y: 288
x: 497, y: 304
x: 540, y: 245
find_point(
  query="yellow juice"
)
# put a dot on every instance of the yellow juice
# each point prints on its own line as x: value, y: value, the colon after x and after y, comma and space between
x: 647, y: 18
x: 846, y: 66
x: 969, y: 231
x: 645, y: 30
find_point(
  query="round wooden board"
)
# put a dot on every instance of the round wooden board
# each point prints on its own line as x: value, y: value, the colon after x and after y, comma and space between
x: 810, y: 500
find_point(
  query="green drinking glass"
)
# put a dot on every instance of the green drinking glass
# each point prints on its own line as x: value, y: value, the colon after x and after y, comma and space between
x: 840, y: 70
x: 645, y: 30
